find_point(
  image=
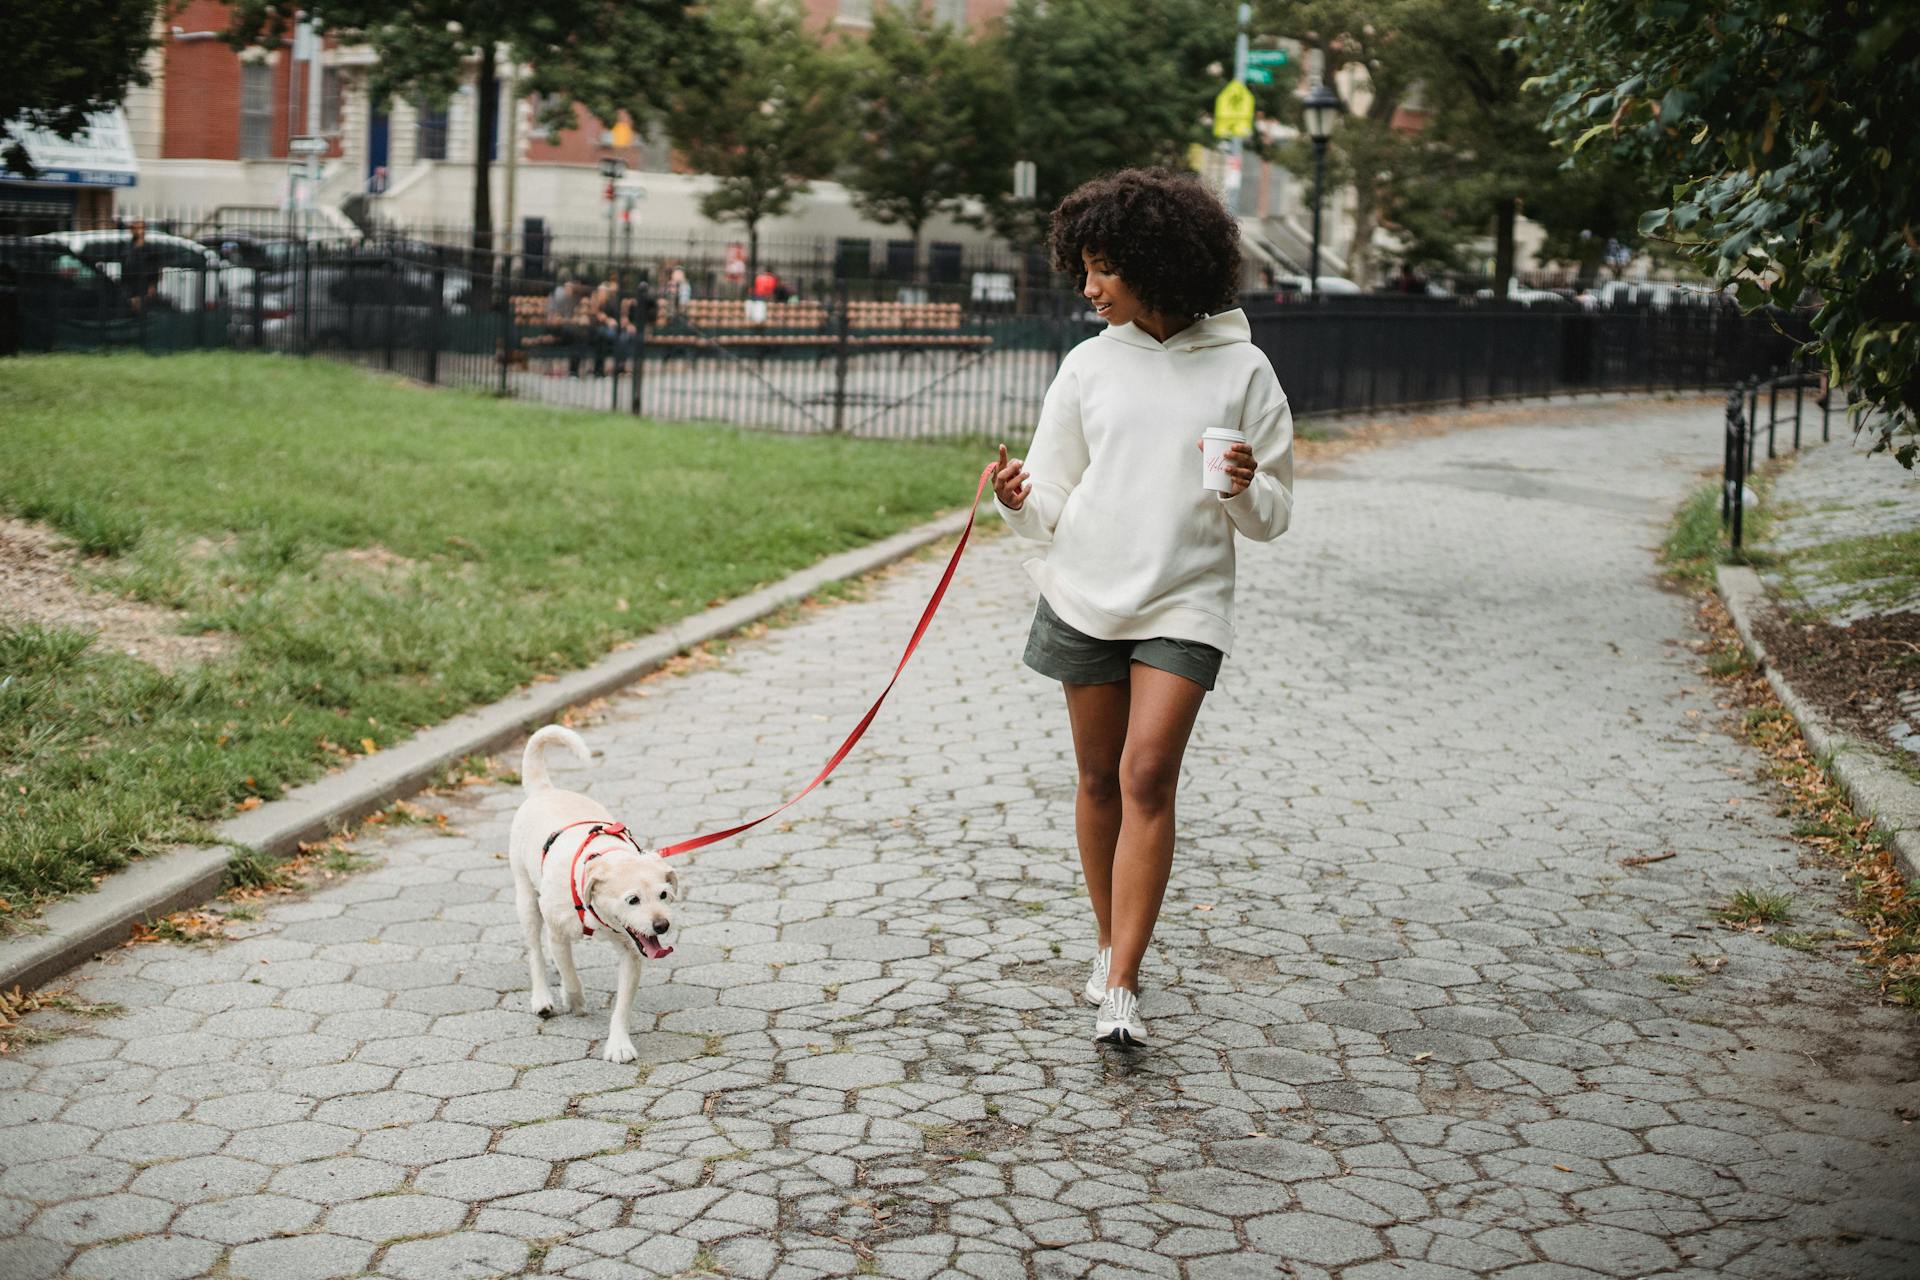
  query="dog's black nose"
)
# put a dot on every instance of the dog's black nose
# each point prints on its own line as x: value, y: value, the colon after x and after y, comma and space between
x: 661, y: 926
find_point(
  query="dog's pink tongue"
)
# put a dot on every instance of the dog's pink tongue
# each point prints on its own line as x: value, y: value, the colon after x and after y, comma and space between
x: 651, y: 946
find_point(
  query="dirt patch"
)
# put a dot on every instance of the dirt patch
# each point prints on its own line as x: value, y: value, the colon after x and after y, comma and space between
x: 37, y: 585
x: 1859, y: 674
x: 375, y: 559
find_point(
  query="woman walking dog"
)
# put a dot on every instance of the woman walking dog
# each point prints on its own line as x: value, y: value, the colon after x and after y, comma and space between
x: 1158, y: 441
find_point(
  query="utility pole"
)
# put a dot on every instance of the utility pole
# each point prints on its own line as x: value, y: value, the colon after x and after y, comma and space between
x: 511, y: 93
x: 1233, y: 143
x: 312, y: 119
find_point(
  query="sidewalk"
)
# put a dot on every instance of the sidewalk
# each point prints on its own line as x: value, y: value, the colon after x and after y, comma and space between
x: 1414, y: 1019
x: 1845, y: 532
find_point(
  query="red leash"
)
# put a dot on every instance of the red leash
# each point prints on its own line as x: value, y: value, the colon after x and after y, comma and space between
x: 926, y: 617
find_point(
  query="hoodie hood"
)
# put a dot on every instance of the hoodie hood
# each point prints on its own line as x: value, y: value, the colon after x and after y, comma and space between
x: 1219, y: 330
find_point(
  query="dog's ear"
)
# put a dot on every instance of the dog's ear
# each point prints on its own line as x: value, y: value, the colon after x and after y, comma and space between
x: 673, y: 883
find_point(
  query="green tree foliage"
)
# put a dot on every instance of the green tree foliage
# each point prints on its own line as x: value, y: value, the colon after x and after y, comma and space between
x: 60, y: 62
x: 1787, y: 130
x: 773, y: 115
x: 1476, y: 159
x: 919, y: 87
x: 609, y: 55
x: 1084, y: 87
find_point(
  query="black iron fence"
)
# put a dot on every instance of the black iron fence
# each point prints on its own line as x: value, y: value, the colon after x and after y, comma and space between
x: 857, y: 357
x: 1742, y: 432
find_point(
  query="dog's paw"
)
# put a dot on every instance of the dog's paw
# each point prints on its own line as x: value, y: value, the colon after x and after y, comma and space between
x: 543, y: 1005
x: 619, y: 1049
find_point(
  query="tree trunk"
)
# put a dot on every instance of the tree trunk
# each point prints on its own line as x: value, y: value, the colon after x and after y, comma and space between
x: 1504, y: 213
x: 1366, y: 199
x: 487, y: 116
x: 753, y: 252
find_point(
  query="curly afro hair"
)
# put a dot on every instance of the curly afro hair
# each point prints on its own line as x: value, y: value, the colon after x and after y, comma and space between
x: 1161, y: 230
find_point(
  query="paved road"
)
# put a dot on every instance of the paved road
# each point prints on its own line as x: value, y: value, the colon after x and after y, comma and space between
x: 1416, y: 1021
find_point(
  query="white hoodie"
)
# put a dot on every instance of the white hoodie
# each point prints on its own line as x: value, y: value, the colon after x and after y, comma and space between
x: 1137, y: 547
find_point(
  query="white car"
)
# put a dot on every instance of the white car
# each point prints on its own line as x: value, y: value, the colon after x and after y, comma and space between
x: 1328, y: 286
x: 184, y: 265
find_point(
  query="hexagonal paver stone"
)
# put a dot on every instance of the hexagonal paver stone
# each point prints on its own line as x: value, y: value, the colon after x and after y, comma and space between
x: 483, y: 1177
x: 102, y: 1218
x: 296, y: 1143
x: 51, y: 1180
x: 1581, y: 1138
x: 426, y: 1143
x: 455, y: 1079
x: 246, y: 1218
x: 150, y: 1258
x: 337, y: 1181
x: 308, y: 1257
x: 845, y: 1070
x: 33, y: 1258
x: 1613, y: 1250
x: 1313, y: 1237
x: 563, y: 1139
x: 201, y: 1178
x: 391, y: 1217
x: 468, y: 1255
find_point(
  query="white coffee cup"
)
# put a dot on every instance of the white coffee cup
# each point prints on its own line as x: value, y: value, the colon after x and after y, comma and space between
x: 1214, y: 445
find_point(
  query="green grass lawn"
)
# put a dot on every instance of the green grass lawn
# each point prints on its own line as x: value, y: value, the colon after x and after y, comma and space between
x: 379, y: 557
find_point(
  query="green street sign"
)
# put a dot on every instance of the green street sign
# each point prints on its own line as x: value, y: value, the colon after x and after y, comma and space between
x: 1267, y: 58
x: 1259, y: 75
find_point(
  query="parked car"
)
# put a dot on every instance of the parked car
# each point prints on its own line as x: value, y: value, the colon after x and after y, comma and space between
x: 54, y: 287
x: 191, y: 275
x: 1658, y: 294
x: 350, y: 303
x: 1292, y: 288
x: 259, y: 253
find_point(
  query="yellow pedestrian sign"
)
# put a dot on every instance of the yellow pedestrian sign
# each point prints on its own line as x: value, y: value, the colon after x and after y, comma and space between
x: 1233, y: 112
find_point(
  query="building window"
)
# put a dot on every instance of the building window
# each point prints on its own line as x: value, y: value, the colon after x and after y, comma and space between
x: 859, y: 12
x: 951, y: 12
x: 330, y: 100
x: 256, y: 110
x: 430, y: 141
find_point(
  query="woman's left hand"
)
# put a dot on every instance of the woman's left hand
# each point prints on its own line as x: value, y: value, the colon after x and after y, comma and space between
x: 1240, y: 467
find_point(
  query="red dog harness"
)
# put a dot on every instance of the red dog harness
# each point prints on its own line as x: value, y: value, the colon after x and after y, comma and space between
x: 596, y: 828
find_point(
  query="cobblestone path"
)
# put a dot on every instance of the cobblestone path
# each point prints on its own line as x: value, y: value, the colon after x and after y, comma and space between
x: 1414, y: 1018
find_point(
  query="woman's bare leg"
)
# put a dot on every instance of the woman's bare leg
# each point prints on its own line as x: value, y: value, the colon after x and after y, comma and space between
x: 1160, y: 719
x: 1098, y: 714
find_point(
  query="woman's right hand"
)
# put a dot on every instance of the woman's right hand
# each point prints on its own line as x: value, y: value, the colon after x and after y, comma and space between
x: 1010, y: 483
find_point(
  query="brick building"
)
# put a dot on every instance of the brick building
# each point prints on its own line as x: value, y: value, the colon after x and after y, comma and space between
x: 212, y: 134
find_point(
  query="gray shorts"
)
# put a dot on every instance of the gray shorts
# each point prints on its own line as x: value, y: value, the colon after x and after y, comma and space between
x: 1057, y: 650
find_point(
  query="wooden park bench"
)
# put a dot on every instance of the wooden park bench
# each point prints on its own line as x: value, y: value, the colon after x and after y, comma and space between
x: 912, y: 326
x: 741, y: 322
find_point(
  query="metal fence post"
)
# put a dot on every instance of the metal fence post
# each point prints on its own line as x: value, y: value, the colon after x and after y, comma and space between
x: 508, y: 335
x: 642, y: 317
x: 433, y: 334
x: 393, y: 275
x: 1742, y: 451
x: 841, y: 353
x: 1773, y: 407
x: 259, y: 316
x: 1799, y: 391
x: 1727, y: 453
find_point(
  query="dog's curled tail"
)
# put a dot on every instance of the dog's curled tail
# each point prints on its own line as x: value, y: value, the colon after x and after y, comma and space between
x: 533, y: 764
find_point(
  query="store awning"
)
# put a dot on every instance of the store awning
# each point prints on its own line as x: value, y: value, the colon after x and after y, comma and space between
x: 101, y: 155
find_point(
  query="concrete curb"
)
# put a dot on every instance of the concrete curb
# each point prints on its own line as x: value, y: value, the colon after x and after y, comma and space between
x: 75, y: 929
x: 1875, y: 787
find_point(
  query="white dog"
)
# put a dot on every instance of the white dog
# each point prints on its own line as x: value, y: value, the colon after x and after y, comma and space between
x: 579, y: 872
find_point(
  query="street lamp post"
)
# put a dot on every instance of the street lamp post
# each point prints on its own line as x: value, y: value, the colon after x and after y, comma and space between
x: 1320, y: 110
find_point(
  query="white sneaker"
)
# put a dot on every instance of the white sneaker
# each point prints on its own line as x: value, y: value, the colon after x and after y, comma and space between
x: 1118, y: 1021
x: 1096, y: 987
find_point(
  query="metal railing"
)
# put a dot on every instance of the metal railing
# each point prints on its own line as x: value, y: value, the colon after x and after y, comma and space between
x: 861, y: 358
x: 1742, y: 430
